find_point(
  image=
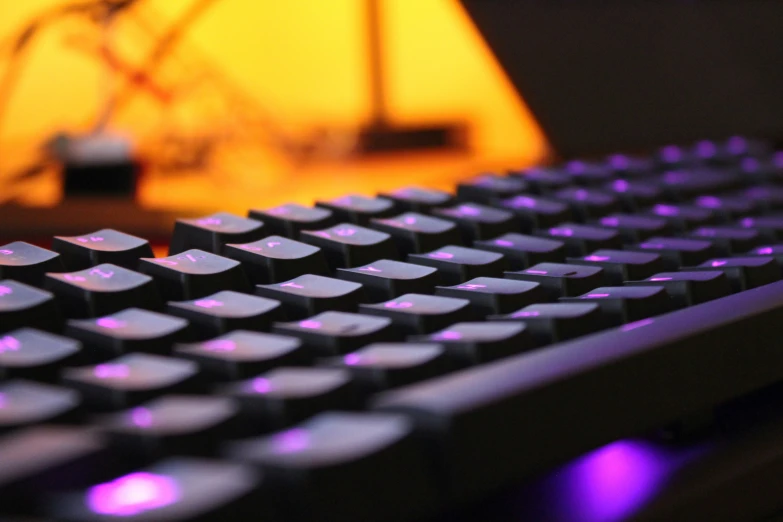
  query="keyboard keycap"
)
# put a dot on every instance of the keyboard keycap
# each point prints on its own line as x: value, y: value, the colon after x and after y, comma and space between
x: 131, y: 380
x: 676, y: 252
x: 478, y: 221
x: 634, y: 195
x: 242, y: 354
x: 416, y: 233
x: 290, y: 219
x: 587, y: 203
x: 768, y: 198
x: 629, y: 166
x: 321, y: 463
x: 683, y: 217
x: 586, y: 173
x: 28, y: 353
x: 728, y: 240
x: 634, y: 228
x: 770, y: 227
x: 382, y: 366
x: 386, y: 279
x: 226, y: 311
x: 522, y: 251
x: 358, y: 209
x: 334, y: 333
x: 458, y: 264
x: 561, y: 280
x: 468, y: 344
x: 22, y: 305
x: 622, y: 265
x: 311, y: 294
x: 775, y: 251
x: 347, y: 246
x: 744, y: 272
x: 492, y: 295
x: 688, y: 288
x: 626, y: 304
x: 580, y: 240
x: 212, y: 233
x: 554, y: 322
x: 421, y: 314
x: 25, y: 403
x: 727, y: 207
x: 102, y: 290
x: 193, y: 274
x: 543, y: 180
x: 416, y: 199
x: 488, y: 187
x: 276, y: 259
x: 131, y: 330
x: 102, y: 246
x: 536, y: 212
x: 681, y: 185
x: 28, y: 263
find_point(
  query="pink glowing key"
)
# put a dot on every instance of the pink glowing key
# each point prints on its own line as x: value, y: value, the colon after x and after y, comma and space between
x: 209, y: 221
x: 747, y: 222
x: 536, y: 272
x: 410, y: 220
x: 111, y: 323
x: 141, y: 417
x: 9, y: 344
x: 291, y: 284
x: 620, y: 185
x: 526, y: 314
x: 278, y: 211
x: 208, y: 303
x: 261, y: 385
x: 111, y: 371
x: 561, y: 232
x: 252, y: 248
x: 96, y: 239
x: 590, y: 296
x: 100, y: 273
x: 581, y: 194
x: 190, y: 257
x: 345, y: 232
x: 166, y: 262
x: 467, y: 210
x: 666, y: 210
x: 523, y: 201
x: 652, y: 246
x: 400, y: 304
x: 273, y: 244
x: 291, y: 441
x: 471, y: 286
x: 6, y: 252
x: 133, y: 494
x: 504, y: 242
x: 82, y: 240
x: 597, y: 258
x: 660, y: 279
x: 638, y: 324
x: 370, y: 269
x: 441, y: 255
x: 610, y: 221
x: 764, y: 251
x: 321, y: 233
x: 220, y: 345
x: 310, y: 324
x: 708, y: 202
x: 448, y: 335
x: 4, y: 290
x: 720, y: 262
x: 75, y: 278
x: 352, y: 359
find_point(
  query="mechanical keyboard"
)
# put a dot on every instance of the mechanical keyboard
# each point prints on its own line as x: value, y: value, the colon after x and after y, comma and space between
x: 566, y: 339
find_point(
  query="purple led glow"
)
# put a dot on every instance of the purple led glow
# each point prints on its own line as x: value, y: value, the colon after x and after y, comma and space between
x: 620, y: 185
x: 409, y: 220
x: 750, y: 165
x: 220, y: 345
x: 777, y: 159
x: 398, y: 304
x: 709, y: 202
x: 370, y: 269
x: 111, y: 323
x: 561, y: 232
x: 82, y: 239
x: 9, y: 344
x: 597, y: 296
x: 133, y: 494
x: 6, y: 252
x: 610, y: 221
x: 261, y: 385
x: 100, y: 273
x: 747, y: 222
x: 166, y: 262
x: 345, y: 232
x: 74, y: 278
x: 504, y: 242
x: 111, y: 371
x: 467, y: 210
x: 619, y: 162
x: 671, y: 154
x: 273, y: 244
x: 310, y: 324
x: 719, y: 262
x: 322, y: 234
x: 655, y: 246
x: 576, y: 167
x: 209, y: 221
x: 441, y: 255
x: 660, y: 279
x: 352, y: 359
x: 94, y: 239
x: 4, y: 290
x: 536, y: 272
x: 291, y: 284
x: 706, y: 149
x: 581, y: 194
x: 666, y: 210
x: 706, y: 232
x: 594, y: 257
x: 737, y: 145
x: 448, y: 335
x: 764, y: 251
x: 278, y: 211
x: 141, y: 417
x: 523, y: 201
x: 526, y: 314
x: 674, y: 177
x: 638, y: 324
x: 343, y: 200
x: 471, y: 286
x: 191, y: 258
x: 291, y: 441
x: 208, y: 303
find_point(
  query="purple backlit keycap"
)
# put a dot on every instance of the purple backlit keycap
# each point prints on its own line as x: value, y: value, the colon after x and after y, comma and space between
x: 290, y: 219
x: 358, y: 209
x: 194, y: 273
x: 275, y: 259
x: 421, y: 314
x: 580, y: 240
x: 588, y: 203
x: 622, y: 265
x: 688, y: 288
x: 634, y: 194
x: 729, y: 240
x: 629, y: 166
x: 625, y: 304
x: 386, y: 279
x: 28, y: 353
x: 558, y: 279
x: 535, y: 211
x: 345, y: 467
x: 522, y: 251
x: 131, y: 379
x: 477, y: 221
x: 226, y: 311
x: 774, y: 250
x: 744, y: 272
x: 332, y: 333
x: 211, y: 233
x: 468, y: 344
x: 492, y: 295
x: 726, y: 207
x: 102, y: 290
x: 311, y: 294
x: 132, y: 330
x: 768, y: 198
x: 681, y: 185
x: 28, y: 263
x: 347, y: 245
x: 553, y: 322
x: 102, y: 246
x: 457, y: 264
x: 587, y: 173
x: 676, y: 252
x: 770, y: 227
x: 26, y: 403
x: 683, y: 217
x: 416, y: 199
x: 486, y: 188
x: 634, y: 228
x: 415, y: 233
x: 25, y: 306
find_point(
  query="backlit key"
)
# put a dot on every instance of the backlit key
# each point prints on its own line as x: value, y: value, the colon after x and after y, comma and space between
x: 211, y: 233
x: 683, y: 217
x: 416, y: 233
x: 491, y: 295
x: 25, y: 403
x: 587, y: 173
x: 535, y: 211
x: 28, y: 263
x: 415, y: 313
x: 542, y: 180
x: 488, y: 187
x: 468, y: 344
x: 333, y: 333
x: 681, y: 185
x: 33, y: 354
x: 729, y: 240
x: 622, y: 265
x: 522, y: 251
x: 625, y: 304
x: 634, y: 194
x: 770, y: 227
x: 688, y: 288
x: 768, y: 198
x: 744, y: 272
x: 634, y: 228
x: 22, y: 305
x: 727, y: 207
x: 775, y: 251
x: 558, y: 279
x: 290, y: 219
x: 276, y: 259
x: 676, y: 252
x: 347, y: 245
x: 416, y: 199
x: 458, y: 264
x: 554, y: 322
x: 477, y: 221
x: 386, y: 279
x: 358, y: 209
x: 226, y: 311
x: 580, y: 240
x: 102, y: 246
x: 311, y: 294
x: 588, y: 203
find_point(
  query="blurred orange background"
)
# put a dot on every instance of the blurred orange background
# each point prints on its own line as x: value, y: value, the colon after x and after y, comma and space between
x: 248, y: 82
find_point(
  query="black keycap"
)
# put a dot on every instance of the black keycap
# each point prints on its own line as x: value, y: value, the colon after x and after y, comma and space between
x: 681, y: 185
x: 677, y: 252
x: 386, y: 279
x: 634, y: 195
x: 28, y: 353
x: 468, y: 344
x: 194, y: 274
x: 416, y: 233
x: 622, y: 265
x: 212, y: 233
x: 421, y: 314
x: 588, y: 203
x: 24, y: 403
x: 629, y: 166
x: 28, y: 263
x: 333, y: 481
x: 492, y: 295
x: 768, y: 198
x: 762, y: 170
x: 536, y: 212
x: 729, y: 240
x: 177, y: 489
x: 131, y: 379
x: 488, y: 187
x: 554, y: 322
x: 586, y: 173
x: 456, y: 264
x: 171, y: 425
x: 634, y: 228
x: 744, y: 272
x: 285, y: 396
x: 560, y: 280
x: 103, y: 246
x: 672, y: 156
x: 226, y: 311
x: 626, y: 304
x: 290, y: 219
x: 22, y: 305
x: 311, y: 294
x: 727, y: 207
x: 102, y: 290
x: 688, y: 288
x: 276, y: 259
x: 242, y: 354
x: 358, y: 209
x: 580, y: 240
x: 770, y: 227
x: 775, y: 251
x: 382, y: 366
x: 416, y: 199
x: 478, y: 221
x: 683, y: 217
x: 131, y: 330
x: 522, y: 251
x: 543, y: 180
x: 333, y: 333
x: 347, y: 246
